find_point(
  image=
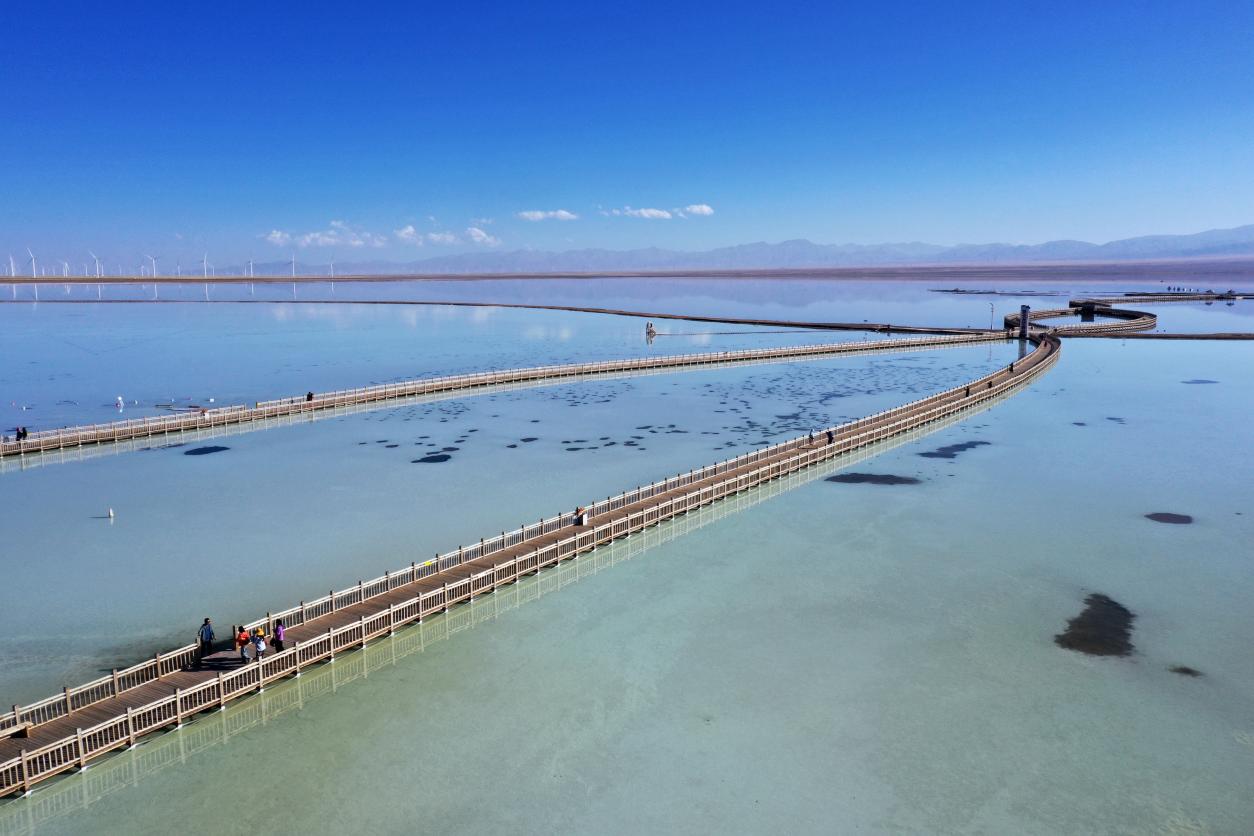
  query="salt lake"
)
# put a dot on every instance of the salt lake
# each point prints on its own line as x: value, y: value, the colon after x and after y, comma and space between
x: 858, y: 655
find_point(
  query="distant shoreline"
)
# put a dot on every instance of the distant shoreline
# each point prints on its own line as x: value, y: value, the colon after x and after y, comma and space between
x: 1215, y: 270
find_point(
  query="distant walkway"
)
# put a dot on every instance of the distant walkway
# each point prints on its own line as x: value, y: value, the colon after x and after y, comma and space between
x: 876, y: 327
x: 39, y: 441
x: 70, y: 729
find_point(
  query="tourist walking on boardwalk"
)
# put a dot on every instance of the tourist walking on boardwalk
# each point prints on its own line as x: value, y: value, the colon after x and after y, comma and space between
x: 581, y: 516
x: 241, y: 643
x: 831, y: 437
x: 280, y: 635
x: 259, y: 644
x: 206, y: 638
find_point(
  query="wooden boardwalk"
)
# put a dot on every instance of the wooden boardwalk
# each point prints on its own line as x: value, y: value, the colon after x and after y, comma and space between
x: 207, y: 419
x: 69, y: 730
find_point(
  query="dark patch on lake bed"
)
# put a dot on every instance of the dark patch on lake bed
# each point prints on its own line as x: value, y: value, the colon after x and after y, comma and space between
x: 1199, y: 380
x: 1170, y: 518
x: 872, y: 479
x: 432, y: 459
x: 1104, y: 628
x: 204, y: 451
x: 951, y: 451
x: 1185, y: 670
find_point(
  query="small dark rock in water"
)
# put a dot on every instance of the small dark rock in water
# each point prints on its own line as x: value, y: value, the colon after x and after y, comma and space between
x: 1078, y: 424
x: 1103, y: 629
x: 432, y: 459
x: 511, y: 446
x: 1185, y: 670
x: 204, y: 451
x: 1169, y: 518
x: 450, y: 449
x: 1116, y: 420
x: 1199, y: 380
x: 951, y: 451
x: 529, y: 439
x: 391, y: 446
x: 872, y: 479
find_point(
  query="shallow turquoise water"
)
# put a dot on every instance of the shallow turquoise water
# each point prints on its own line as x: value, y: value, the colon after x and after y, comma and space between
x: 836, y: 658
x: 849, y: 657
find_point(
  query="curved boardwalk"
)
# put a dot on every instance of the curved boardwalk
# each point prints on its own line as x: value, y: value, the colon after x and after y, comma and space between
x: 69, y: 730
x: 69, y: 437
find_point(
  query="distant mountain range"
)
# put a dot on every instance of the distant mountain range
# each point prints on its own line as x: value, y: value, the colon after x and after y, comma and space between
x: 800, y: 253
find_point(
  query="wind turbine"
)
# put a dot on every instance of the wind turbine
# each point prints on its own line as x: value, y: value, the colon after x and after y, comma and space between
x: 250, y: 268
x: 154, y: 265
x: 12, y: 267
x: 178, y: 267
x: 33, y: 275
x: 204, y: 262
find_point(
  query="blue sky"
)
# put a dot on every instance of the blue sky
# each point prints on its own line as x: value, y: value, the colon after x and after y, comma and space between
x: 387, y: 131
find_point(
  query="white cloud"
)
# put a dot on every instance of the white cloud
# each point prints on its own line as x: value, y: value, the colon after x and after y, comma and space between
x: 480, y: 237
x: 659, y: 214
x: 409, y: 235
x: 550, y: 214
x: 337, y: 234
x: 653, y: 214
x: 628, y: 212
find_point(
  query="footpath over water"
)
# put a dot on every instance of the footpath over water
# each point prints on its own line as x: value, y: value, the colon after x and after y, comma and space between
x: 69, y: 437
x: 70, y: 729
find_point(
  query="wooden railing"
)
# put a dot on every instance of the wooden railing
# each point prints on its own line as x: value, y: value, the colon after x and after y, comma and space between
x: 1126, y: 320
x: 57, y: 439
x: 19, y: 774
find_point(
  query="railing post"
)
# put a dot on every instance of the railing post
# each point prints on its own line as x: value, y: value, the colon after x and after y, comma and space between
x: 221, y: 691
x: 82, y: 751
x: 178, y: 708
x: 116, y: 688
x: 25, y: 774
x: 331, y: 643
x: 69, y: 709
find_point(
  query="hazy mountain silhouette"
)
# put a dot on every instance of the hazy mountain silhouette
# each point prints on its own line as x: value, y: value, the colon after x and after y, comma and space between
x: 800, y: 253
